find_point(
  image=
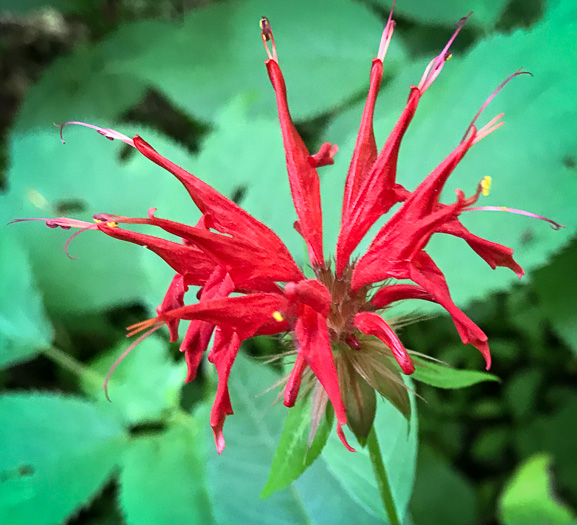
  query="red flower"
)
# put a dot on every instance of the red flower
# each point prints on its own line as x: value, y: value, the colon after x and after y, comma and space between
x: 340, y: 339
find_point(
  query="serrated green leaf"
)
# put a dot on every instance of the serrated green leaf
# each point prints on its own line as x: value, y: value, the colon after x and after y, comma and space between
x: 24, y: 327
x: 57, y: 452
x: 89, y: 175
x: 485, y: 12
x: 529, y: 498
x: 145, y: 386
x: 163, y: 479
x: 317, y: 42
x: 443, y: 376
x: 323, y: 494
x: 529, y: 159
x: 293, y: 454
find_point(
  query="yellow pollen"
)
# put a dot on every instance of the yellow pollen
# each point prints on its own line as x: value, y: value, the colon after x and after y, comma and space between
x: 98, y: 221
x: 448, y: 56
x: 278, y: 316
x: 112, y: 224
x: 486, y: 185
x: 504, y: 208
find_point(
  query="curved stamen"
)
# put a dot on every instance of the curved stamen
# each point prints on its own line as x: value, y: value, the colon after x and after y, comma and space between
x: 110, y: 134
x: 135, y: 328
x: 121, y: 358
x: 266, y: 35
x: 436, y: 65
x: 487, y: 102
x: 73, y: 236
x: 387, y: 35
x: 554, y: 225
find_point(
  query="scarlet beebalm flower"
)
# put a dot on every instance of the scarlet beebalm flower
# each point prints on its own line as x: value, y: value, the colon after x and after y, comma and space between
x: 339, y: 339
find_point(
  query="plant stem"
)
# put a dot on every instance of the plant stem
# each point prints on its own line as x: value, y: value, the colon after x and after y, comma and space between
x: 72, y: 365
x: 382, y: 478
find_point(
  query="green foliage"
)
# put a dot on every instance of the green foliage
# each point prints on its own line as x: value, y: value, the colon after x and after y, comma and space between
x: 145, y: 386
x: 557, y: 293
x: 201, y: 69
x: 24, y: 328
x: 23, y: 6
x: 294, y: 452
x: 528, y: 497
x: 163, y: 478
x: 443, y: 376
x: 399, y: 447
x: 56, y: 453
x: 434, y: 480
x: 554, y: 433
x: 485, y: 12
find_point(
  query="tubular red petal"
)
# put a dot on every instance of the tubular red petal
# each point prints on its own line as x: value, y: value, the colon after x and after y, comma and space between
x: 397, y: 243
x: 365, y: 152
x: 222, y: 355
x: 294, y: 382
x: 303, y: 177
x: 492, y: 253
x: 399, y: 292
x: 243, y: 315
x: 312, y: 293
x: 426, y: 273
x: 378, y: 191
x: 188, y: 261
x: 314, y: 342
x: 372, y: 324
x: 173, y: 299
x: 225, y: 216
x: 425, y: 199
x: 194, y: 345
x: 198, y: 335
x: 245, y: 260
x: 325, y: 155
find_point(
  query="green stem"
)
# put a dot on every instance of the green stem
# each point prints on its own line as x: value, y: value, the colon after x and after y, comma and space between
x: 72, y: 365
x: 382, y: 478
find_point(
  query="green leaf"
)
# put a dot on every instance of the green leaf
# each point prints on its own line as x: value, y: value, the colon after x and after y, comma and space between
x: 23, y: 6
x: 557, y: 294
x: 57, y: 453
x: 528, y: 497
x: 80, y: 86
x: 399, y: 446
x: 202, y: 62
x: 436, y: 478
x: 163, y: 478
x: 293, y: 454
x: 485, y: 12
x: 86, y: 176
x: 326, y: 492
x: 443, y: 376
x: 24, y: 327
x: 550, y: 434
x: 531, y: 159
x: 145, y: 386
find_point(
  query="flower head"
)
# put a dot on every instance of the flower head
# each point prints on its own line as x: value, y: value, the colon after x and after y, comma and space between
x: 343, y: 347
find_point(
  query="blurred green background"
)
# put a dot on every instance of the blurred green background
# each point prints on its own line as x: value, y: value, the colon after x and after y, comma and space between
x: 189, y: 77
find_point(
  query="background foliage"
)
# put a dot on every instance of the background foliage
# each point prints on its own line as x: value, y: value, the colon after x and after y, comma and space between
x: 188, y: 76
